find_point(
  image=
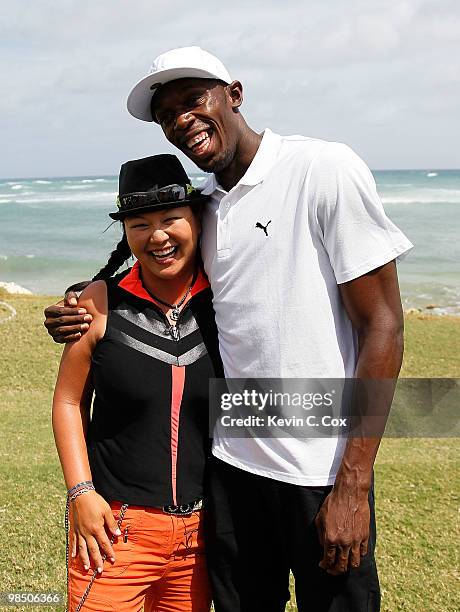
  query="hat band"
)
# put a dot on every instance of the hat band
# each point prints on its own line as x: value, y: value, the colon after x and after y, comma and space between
x: 164, y: 195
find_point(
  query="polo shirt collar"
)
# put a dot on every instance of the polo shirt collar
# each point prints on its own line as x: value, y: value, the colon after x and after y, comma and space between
x: 210, y: 186
x: 262, y: 163
x: 132, y: 283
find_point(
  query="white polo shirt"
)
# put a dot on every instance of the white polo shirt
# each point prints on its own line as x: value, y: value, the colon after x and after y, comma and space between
x: 278, y: 307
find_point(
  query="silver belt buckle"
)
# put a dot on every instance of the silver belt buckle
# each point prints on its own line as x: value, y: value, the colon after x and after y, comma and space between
x: 183, y: 509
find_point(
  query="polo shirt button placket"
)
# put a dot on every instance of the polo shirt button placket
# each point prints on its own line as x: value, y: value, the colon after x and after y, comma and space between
x: 223, y: 245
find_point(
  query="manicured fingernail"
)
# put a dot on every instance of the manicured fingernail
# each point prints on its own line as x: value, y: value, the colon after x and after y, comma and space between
x: 118, y: 532
x: 88, y: 318
x: 112, y: 559
x: 84, y: 326
x: 81, y: 311
x: 99, y: 569
x: 86, y: 566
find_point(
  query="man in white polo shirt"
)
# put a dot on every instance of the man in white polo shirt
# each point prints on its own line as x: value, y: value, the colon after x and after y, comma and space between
x: 300, y: 256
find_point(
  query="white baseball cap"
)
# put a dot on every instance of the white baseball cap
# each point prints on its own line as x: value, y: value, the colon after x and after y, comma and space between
x: 181, y: 63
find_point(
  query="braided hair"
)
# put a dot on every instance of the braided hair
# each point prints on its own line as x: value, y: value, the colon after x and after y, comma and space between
x: 117, y: 258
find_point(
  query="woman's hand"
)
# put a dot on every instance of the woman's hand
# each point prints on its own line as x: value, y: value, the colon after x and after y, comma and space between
x: 92, y: 520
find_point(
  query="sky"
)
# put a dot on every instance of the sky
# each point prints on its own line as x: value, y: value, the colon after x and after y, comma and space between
x: 382, y: 76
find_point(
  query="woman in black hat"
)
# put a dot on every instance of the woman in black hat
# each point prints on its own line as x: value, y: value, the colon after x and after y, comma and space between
x: 135, y: 468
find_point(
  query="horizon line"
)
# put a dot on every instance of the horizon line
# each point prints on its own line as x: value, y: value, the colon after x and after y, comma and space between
x: 76, y: 176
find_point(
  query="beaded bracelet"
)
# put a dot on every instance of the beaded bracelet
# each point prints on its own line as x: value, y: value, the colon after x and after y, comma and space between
x: 78, y: 489
x: 78, y: 485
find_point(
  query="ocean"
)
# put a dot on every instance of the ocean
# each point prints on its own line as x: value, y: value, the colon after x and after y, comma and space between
x: 55, y: 232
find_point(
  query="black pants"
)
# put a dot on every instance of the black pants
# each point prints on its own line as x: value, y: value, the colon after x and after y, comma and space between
x: 258, y: 530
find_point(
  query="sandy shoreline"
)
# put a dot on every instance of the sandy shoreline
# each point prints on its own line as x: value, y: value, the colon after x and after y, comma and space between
x: 14, y: 288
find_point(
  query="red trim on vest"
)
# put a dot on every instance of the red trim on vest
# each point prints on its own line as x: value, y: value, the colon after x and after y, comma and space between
x: 177, y: 391
x: 133, y: 284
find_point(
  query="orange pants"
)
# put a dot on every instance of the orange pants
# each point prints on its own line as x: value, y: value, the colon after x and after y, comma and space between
x: 159, y: 566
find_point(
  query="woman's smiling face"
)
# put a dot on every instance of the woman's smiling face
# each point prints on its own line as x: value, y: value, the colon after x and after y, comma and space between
x: 164, y: 242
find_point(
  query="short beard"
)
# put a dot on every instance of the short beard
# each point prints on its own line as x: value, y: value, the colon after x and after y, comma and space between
x: 223, y: 161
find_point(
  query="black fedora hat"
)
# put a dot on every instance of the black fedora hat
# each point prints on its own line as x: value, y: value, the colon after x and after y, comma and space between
x: 154, y: 183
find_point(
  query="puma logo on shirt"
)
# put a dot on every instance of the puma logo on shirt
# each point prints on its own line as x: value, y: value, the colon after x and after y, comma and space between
x: 263, y: 227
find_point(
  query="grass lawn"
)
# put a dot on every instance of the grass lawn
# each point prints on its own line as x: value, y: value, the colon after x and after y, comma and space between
x: 417, y: 481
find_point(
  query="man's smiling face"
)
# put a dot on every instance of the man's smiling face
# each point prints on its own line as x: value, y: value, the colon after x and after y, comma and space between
x: 198, y: 117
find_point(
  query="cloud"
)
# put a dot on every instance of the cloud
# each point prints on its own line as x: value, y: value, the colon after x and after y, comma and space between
x: 356, y: 71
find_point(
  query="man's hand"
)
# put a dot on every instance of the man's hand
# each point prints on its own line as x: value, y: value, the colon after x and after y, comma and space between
x: 373, y: 304
x: 65, y: 321
x: 343, y: 529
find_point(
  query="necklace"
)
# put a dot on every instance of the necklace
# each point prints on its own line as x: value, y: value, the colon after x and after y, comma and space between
x: 175, y: 307
x: 175, y: 314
